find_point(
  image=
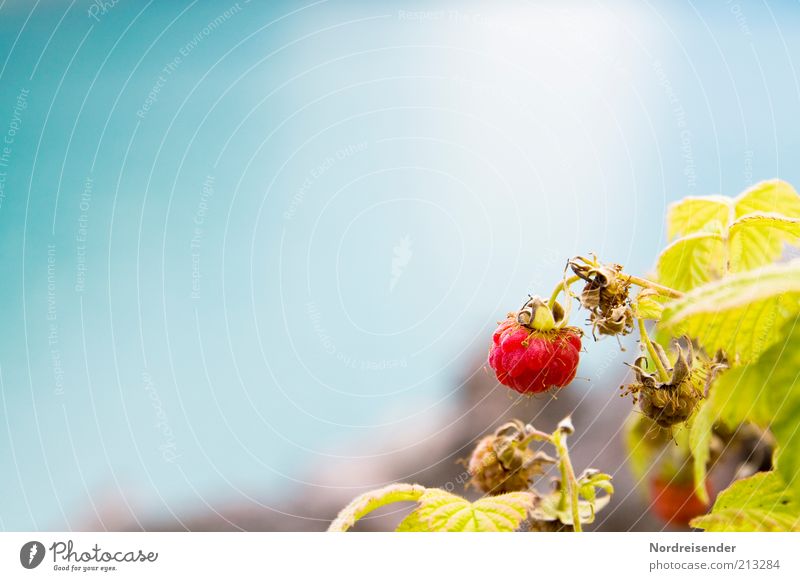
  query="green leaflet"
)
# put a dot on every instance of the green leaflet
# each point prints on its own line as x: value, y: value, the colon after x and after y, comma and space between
x: 757, y: 239
x: 649, y: 305
x: 721, y: 234
x: 741, y: 314
x: 769, y: 196
x: 767, y: 393
x: 441, y: 511
x: 692, y: 261
x: 698, y: 214
x: 750, y: 242
x: 759, y: 503
x: 699, y: 441
x: 369, y: 501
x: 640, y: 445
x: 550, y: 508
x: 738, y: 396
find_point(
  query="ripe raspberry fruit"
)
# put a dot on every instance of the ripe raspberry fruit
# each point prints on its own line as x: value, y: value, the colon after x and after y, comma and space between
x: 676, y: 502
x: 530, y: 353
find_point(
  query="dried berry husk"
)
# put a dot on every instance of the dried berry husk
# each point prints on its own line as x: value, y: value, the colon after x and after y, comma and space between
x: 669, y: 405
x: 605, y: 296
x: 617, y: 321
x: 503, y: 462
x: 672, y: 402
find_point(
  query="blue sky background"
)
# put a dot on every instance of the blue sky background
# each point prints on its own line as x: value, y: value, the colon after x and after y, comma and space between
x: 244, y: 176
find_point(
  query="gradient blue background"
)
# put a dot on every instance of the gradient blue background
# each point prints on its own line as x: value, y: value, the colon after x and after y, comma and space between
x: 481, y: 143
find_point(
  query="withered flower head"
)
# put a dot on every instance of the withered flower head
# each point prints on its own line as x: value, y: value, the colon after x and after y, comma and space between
x: 503, y: 462
x: 605, y: 296
x: 671, y: 402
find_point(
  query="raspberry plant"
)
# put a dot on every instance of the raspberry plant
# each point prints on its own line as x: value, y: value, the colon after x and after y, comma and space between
x: 717, y: 379
x: 503, y: 467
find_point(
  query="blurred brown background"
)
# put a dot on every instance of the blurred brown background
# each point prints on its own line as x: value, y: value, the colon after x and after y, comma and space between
x: 431, y: 458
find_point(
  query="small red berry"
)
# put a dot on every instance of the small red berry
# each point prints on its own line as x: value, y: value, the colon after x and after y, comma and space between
x: 531, y: 360
x: 675, y: 502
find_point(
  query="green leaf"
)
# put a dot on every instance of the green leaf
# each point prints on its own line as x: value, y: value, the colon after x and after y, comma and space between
x: 441, y: 511
x: 767, y: 393
x: 713, y: 214
x: 413, y: 523
x: 693, y: 214
x: 752, y: 241
x: 643, y: 443
x: 590, y: 482
x: 769, y: 196
x: 742, y: 313
x: 787, y: 435
x: 758, y: 239
x: 739, y: 395
x: 369, y: 501
x: 700, y: 433
x: 549, y: 508
x: 757, y: 504
x: 649, y: 304
x: 692, y: 261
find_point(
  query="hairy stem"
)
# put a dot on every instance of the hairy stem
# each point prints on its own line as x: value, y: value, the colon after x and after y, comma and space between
x: 662, y: 372
x: 637, y: 280
x: 659, y: 288
x: 534, y: 434
x: 561, y: 286
x: 569, y: 484
x: 369, y: 501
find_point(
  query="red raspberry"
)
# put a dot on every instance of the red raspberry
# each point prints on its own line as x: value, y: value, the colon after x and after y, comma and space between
x: 532, y: 361
x: 674, y: 502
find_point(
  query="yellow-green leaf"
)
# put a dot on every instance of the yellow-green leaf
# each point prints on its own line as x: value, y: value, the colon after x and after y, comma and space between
x: 694, y: 214
x: 769, y: 196
x: 739, y: 395
x: 369, y: 501
x: 692, y: 261
x: 741, y: 314
x: 649, y: 304
x: 757, y: 239
x: 757, y: 504
x: 549, y: 508
x: 767, y: 393
x: 700, y: 433
x: 644, y: 443
x: 441, y: 511
x: 787, y: 434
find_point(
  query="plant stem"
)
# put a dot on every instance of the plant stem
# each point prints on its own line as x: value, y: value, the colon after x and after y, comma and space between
x: 536, y: 435
x: 563, y: 285
x: 639, y: 281
x: 659, y: 288
x: 662, y: 372
x: 568, y: 481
